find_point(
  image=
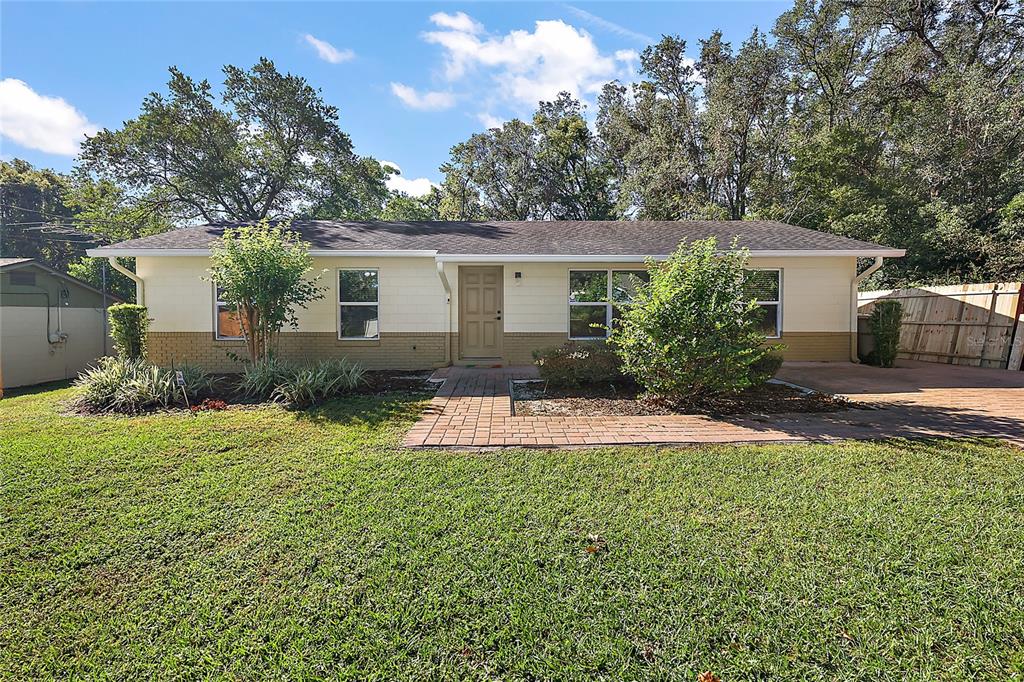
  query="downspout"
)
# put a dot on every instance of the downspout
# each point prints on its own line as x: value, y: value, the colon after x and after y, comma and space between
x: 854, y: 288
x: 447, y: 312
x: 140, y: 286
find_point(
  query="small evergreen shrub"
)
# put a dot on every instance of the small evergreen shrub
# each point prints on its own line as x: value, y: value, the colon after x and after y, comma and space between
x: 884, y: 322
x: 693, y: 331
x: 128, y: 326
x: 575, y: 363
x: 129, y: 386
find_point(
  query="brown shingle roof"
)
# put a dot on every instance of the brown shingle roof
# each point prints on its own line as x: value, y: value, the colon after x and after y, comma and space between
x: 559, y: 237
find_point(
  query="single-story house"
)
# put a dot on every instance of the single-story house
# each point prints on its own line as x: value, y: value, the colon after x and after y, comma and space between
x: 414, y: 295
x: 52, y: 325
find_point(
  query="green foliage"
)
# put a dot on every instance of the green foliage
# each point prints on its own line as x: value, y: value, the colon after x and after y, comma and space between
x: 90, y: 270
x: 401, y: 206
x: 300, y: 385
x: 885, y: 322
x: 273, y: 148
x: 693, y: 331
x: 765, y: 368
x: 552, y: 168
x: 261, y: 270
x: 128, y: 325
x: 576, y: 363
x: 29, y: 199
x: 259, y: 379
x: 315, y: 382
x: 130, y: 385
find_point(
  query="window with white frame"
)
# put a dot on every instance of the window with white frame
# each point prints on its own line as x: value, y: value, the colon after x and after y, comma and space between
x: 596, y: 297
x: 764, y: 287
x: 228, y: 327
x: 358, y: 304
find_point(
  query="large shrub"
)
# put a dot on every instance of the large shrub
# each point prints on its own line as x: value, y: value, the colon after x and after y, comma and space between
x: 692, y: 331
x: 884, y: 322
x: 261, y: 271
x: 575, y: 363
x: 128, y: 325
x: 131, y: 385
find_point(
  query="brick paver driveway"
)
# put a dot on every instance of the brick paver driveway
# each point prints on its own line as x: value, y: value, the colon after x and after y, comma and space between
x: 473, y: 408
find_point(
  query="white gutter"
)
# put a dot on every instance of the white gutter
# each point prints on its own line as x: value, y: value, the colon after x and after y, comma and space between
x: 443, y: 276
x: 854, y: 288
x: 140, y: 286
x: 634, y: 258
x: 506, y: 257
x: 156, y: 253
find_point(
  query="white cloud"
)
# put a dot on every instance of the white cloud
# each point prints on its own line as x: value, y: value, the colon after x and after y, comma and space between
x: 529, y: 66
x: 36, y: 121
x: 459, y: 21
x: 328, y: 52
x: 490, y: 120
x: 426, y: 101
x: 611, y: 26
x: 415, y: 187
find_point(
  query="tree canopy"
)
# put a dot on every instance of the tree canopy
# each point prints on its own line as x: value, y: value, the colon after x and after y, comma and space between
x: 901, y: 123
x: 267, y: 147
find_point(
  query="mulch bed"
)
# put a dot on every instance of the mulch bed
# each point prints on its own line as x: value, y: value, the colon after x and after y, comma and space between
x: 625, y: 400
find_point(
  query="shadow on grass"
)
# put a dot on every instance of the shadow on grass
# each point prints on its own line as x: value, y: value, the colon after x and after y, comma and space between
x: 38, y: 388
x: 366, y: 409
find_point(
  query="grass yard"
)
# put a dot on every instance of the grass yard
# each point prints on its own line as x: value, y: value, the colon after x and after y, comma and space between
x: 261, y: 543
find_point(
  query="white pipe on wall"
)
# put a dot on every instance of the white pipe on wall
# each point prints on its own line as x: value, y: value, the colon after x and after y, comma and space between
x: 140, y: 286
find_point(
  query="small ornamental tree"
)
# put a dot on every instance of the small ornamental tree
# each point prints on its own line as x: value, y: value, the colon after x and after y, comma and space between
x: 261, y: 272
x: 693, y: 330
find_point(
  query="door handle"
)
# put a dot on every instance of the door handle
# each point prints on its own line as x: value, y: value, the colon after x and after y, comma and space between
x: 498, y: 317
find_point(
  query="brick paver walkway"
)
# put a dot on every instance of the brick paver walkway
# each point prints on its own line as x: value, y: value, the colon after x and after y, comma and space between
x: 473, y: 408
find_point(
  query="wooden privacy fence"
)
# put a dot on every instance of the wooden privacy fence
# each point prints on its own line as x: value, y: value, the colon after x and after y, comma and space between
x: 964, y: 324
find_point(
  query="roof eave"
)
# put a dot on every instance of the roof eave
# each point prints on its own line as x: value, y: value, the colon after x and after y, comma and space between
x: 107, y: 252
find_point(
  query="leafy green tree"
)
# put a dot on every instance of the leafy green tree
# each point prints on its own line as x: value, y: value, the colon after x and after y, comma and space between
x: 401, y: 206
x: 693, y: 331
x: 35, y: 219
x: 270, y: 148
x: 91, y: 270
x: 262, y: 271
x: 573, y: 171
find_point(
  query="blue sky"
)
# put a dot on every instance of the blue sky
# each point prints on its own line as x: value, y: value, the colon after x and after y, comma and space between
x: 410, y: 79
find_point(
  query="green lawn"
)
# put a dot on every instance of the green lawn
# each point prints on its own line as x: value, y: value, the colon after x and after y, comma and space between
x: 262, y: 543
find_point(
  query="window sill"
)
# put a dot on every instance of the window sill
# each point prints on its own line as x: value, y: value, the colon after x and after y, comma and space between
x: 359, y: 343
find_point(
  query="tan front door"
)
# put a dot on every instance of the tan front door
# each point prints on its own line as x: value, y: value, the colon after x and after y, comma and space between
x: 480, y: 303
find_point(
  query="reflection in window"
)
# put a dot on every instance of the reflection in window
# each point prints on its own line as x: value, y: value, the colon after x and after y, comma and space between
x: 596, y: 298
x: 358, y: 301
x: 764, y: 287
x: 228, y: 324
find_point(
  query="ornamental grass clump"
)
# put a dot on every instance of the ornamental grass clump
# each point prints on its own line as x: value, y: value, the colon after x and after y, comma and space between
x: 129, y: 386
x: 300, y: 385
x: 694, y: 331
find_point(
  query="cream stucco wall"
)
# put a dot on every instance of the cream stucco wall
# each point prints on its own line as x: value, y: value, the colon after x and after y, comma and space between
x: 411, y: 295
x: 816, y: 294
